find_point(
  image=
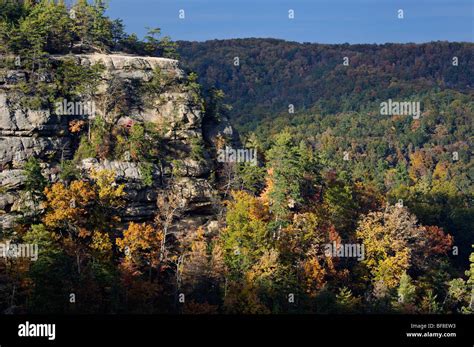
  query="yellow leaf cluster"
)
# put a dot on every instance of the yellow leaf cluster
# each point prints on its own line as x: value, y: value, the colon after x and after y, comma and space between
x: 67, y: 204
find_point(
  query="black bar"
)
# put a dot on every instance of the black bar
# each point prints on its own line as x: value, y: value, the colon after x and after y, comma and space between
x: 294, y: 330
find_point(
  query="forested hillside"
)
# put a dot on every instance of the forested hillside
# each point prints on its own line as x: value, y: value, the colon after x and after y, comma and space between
x: 327, y: 99
x: 334, y: 107
x: 272, y: 74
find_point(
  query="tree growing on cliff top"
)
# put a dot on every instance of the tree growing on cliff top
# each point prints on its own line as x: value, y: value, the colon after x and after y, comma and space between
x: 33, y: 28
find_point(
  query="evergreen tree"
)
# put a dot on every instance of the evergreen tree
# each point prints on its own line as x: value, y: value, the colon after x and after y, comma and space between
x: 287, y: 168
x: 406, y: 290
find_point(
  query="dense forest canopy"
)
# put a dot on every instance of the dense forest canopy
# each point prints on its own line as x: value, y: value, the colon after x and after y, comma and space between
x: 272, y: 74
x: 334, y: 107
x: 343, y: 210
x: 328, y: 98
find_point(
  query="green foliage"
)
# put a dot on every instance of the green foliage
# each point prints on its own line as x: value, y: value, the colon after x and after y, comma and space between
x: 144, y: 141
x: 47, y: 273
x: 381, y: 154
x: 251, y: 177
x: 33, y: 33
x: 346, y: 301
x: 35, y: 182
x: 215, y: 108
x: 101, y: 137
x: 303, y: 194
x: 470, y: 284
x: 429, y: 303
x: 194, y: 89
x: 284, y: 159
x: 245, y: 237
x: 69, y: 171
x: 406, y: 291
x: 73, y: 80
x: 33, y: 28
x: 156, y: 46
x: 85, y: 150
x: 146, y: 170
x: 89, y: 24
x: 197, y: 149
x: 340, y: 205
x: 137, y: 141
x: 38, y: 234
x: 311, y: 76
x: 157, y: 85
x: 69, y: 81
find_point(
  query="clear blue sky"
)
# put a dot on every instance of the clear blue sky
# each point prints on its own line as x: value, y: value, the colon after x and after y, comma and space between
x: 323, y: 21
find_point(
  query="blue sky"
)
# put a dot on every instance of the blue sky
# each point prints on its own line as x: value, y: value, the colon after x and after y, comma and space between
x: 322, y: 21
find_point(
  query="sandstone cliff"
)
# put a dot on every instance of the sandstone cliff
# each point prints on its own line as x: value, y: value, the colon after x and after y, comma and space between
x: 43, y: 134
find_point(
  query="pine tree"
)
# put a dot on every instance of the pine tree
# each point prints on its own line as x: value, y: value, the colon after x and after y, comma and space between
x: 346, y: 301
x: 406, y: 290
x: 35, y: 182
x: 284, y: 160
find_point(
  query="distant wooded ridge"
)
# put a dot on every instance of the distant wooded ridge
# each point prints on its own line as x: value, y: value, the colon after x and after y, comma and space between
x: 271, y: 74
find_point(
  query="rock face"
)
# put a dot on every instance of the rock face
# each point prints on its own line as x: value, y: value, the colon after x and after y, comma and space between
x: 45, y: 135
